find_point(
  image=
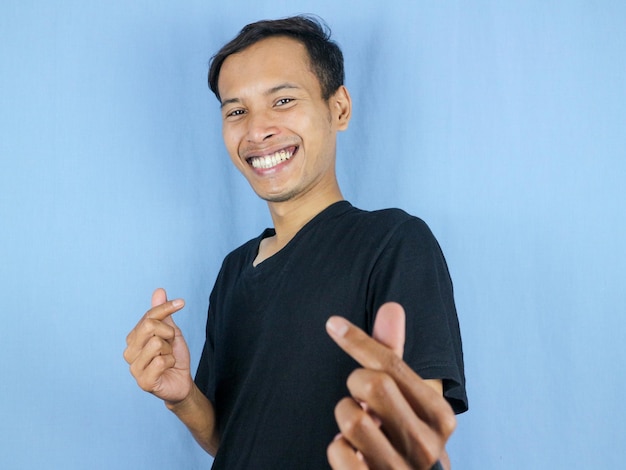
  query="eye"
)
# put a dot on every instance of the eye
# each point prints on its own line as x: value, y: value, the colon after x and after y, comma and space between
x: 284, y: 101
x: 235, y: 113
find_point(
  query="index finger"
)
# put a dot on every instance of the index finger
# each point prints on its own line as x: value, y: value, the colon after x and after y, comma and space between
x: 161, y: 312
x: 368, y: 352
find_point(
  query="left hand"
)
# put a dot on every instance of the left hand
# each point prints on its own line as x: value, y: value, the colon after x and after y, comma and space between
x: 394, y: 418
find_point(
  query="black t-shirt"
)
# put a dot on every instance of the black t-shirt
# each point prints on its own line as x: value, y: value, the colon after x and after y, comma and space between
x: 268, y: 366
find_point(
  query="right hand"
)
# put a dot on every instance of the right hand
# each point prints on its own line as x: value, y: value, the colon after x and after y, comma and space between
x: 157, y: 352
x: 405, y: 422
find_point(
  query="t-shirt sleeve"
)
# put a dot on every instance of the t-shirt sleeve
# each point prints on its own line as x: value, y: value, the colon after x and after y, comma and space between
x: 412, y: 271
x: 205, y: 379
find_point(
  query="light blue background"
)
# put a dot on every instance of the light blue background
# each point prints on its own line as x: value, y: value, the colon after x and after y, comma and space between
x: 502, y: 124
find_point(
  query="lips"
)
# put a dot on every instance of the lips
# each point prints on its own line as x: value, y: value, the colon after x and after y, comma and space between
x: 265, y: 162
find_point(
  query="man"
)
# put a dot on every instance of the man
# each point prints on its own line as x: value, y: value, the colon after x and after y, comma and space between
x: 292, y: 311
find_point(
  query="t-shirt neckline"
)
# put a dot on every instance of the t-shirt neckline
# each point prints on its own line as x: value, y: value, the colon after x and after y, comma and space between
x: 334, y: 210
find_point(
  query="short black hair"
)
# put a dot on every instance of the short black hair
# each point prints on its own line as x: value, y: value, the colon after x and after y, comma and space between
x: 325, y: 55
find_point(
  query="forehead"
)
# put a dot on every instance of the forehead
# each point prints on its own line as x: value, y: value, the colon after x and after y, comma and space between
x: 267, y: 62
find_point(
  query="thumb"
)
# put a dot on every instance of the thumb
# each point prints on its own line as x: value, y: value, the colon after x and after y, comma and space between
x: 159, y: 297
x: 389, y: 327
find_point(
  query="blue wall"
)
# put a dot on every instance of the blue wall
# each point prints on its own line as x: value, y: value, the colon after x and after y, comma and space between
x: 502, y: 124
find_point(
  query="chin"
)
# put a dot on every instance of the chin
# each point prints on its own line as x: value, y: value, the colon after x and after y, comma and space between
x: 282, y: 196
x: 277, y: 197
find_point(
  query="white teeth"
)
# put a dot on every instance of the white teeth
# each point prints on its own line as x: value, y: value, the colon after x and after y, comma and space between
x: 269, y: 161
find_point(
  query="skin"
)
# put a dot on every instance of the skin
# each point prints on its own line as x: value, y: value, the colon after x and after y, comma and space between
x: 159, y: 361
x: 393, y: 418
x: 272, y: 102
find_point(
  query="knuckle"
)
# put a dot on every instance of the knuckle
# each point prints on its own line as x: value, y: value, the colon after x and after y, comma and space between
x: 424, y: 452
x: 447, y: 423
x: 145, y: 326
x: 430, y: 458
x: 442, y: 419
x: 372, y: 385
x: 394, y: 365
x: 425, y: 447
x: 161, y: 362
x: 154, y: 343
x: 378, y: 386
x: 354, y: 424
x: 342, y: 405
x: 331, y: 451
x: 148, y: 325
x: 144, y: 384
x: 384, y: 384
x: 169, y: 332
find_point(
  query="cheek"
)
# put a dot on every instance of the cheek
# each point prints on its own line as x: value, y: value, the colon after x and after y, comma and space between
x: 231, y: 141
x: 235, y: 160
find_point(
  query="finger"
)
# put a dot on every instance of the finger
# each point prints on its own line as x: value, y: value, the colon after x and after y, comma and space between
x: 151, y: 377
x: 156, y: 322
x: 155, y: 346
x: 142, y: 333
x: 149, y: 327
x: 341, y: 455
x: 365, y: 350
x: 412, y: 437
x: 152, y: 361
x: 164, y: 310
x: 389, y: 327
x: 430, y: 406
x: 365, y: 436
x: 159, y: 297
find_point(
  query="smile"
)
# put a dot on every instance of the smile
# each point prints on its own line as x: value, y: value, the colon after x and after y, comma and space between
x: 266, y: 162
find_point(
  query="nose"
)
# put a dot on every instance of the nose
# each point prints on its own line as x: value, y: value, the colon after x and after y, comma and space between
x: 261, y: 127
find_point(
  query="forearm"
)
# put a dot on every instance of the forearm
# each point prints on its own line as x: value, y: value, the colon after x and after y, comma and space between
x: 197, y: 413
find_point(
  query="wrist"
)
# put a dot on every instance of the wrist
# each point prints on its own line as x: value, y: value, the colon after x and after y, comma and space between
x: 196, y: 412
x: 176, y: 406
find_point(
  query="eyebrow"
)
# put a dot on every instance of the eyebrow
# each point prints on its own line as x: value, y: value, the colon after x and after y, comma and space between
x: 271, y: 91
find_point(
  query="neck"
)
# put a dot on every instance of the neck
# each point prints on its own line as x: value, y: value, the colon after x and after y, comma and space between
x: 290, y: 216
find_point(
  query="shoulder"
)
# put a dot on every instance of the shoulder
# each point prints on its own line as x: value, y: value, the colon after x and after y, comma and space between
x: 388, y: 223
x: 374, y: 235
x: 399, y: 219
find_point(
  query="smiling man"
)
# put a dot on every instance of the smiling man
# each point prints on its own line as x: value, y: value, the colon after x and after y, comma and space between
x: 331, y: 338
x: 281, y: 133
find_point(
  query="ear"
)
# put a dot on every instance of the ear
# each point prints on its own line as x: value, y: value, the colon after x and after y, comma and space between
x: 341, y: 108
